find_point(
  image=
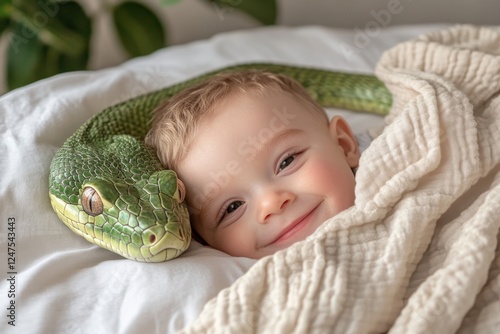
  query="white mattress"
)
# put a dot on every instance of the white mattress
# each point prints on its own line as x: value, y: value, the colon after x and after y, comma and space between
x: 63, y: 284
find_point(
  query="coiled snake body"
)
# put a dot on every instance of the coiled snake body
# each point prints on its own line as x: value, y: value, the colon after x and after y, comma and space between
x: 111, y: 189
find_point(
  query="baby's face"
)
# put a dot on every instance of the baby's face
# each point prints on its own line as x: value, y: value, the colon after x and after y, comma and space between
x: 263, y: 173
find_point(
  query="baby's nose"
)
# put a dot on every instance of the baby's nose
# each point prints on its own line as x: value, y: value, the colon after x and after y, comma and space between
x: 273, y: 203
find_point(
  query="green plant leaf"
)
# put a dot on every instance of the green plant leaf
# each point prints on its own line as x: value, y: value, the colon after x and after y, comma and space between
x: 5, y: 13
x: 264, y: 11
x: 42, y: 18
x: 139, y: 29
x: 72, y: 16
x: 4, y: 23
x: 25, y: 58
x: 30, y: 59
x: 5, y: 8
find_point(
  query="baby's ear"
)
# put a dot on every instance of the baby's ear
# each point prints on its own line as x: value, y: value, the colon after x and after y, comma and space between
x: 341, y: 133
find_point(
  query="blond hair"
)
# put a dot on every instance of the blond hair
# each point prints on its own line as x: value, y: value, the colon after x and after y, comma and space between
x: 175, y: 121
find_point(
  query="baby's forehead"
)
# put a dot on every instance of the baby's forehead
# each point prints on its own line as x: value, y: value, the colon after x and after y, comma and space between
x: 251, y: 94
x: 272, y: 96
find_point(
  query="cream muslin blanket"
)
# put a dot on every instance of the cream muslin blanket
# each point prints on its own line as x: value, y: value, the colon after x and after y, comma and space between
x: 418, y: 252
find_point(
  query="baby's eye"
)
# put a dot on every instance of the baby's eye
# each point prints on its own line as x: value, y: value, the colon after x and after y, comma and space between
x: 227, y: 210
x: 233, y: 206
x: 286, y: 162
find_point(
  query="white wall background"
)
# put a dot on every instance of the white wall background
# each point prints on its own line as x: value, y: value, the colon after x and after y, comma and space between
x: 191, y: 20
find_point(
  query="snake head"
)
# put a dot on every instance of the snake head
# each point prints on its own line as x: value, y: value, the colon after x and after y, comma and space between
x: 144, y: 221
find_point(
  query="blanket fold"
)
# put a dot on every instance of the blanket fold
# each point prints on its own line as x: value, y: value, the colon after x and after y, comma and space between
x: 418, y: 252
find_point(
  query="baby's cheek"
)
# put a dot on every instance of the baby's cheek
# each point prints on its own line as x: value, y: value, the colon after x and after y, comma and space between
x: 336, y: 181
x: 321, y: 174
x: 234, y: 241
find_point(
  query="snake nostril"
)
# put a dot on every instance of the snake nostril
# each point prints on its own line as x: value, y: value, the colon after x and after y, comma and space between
x: 152, y: 238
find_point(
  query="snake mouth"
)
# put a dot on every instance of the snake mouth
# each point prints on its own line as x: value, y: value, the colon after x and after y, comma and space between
x: 68, y: 213
x: 171, y: 243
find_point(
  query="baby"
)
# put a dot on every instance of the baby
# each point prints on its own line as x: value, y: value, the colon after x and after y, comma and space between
x: 262, y: 165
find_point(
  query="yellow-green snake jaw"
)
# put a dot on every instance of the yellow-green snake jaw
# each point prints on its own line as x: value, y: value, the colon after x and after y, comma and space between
x: 111, y: 189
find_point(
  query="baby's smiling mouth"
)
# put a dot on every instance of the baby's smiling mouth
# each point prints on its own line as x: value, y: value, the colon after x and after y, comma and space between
x: 294, y: 227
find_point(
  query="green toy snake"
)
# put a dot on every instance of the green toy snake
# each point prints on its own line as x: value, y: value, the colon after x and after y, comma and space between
x: 109, y: 188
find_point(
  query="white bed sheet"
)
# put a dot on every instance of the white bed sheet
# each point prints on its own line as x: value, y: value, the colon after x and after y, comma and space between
x: 64, y: 284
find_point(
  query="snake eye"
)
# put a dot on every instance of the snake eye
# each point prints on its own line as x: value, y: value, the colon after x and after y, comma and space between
x: 181, y: 191
x: 91, y: 201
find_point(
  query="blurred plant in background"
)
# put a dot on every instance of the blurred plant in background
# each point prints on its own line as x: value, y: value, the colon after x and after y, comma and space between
x: 47, y: 37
